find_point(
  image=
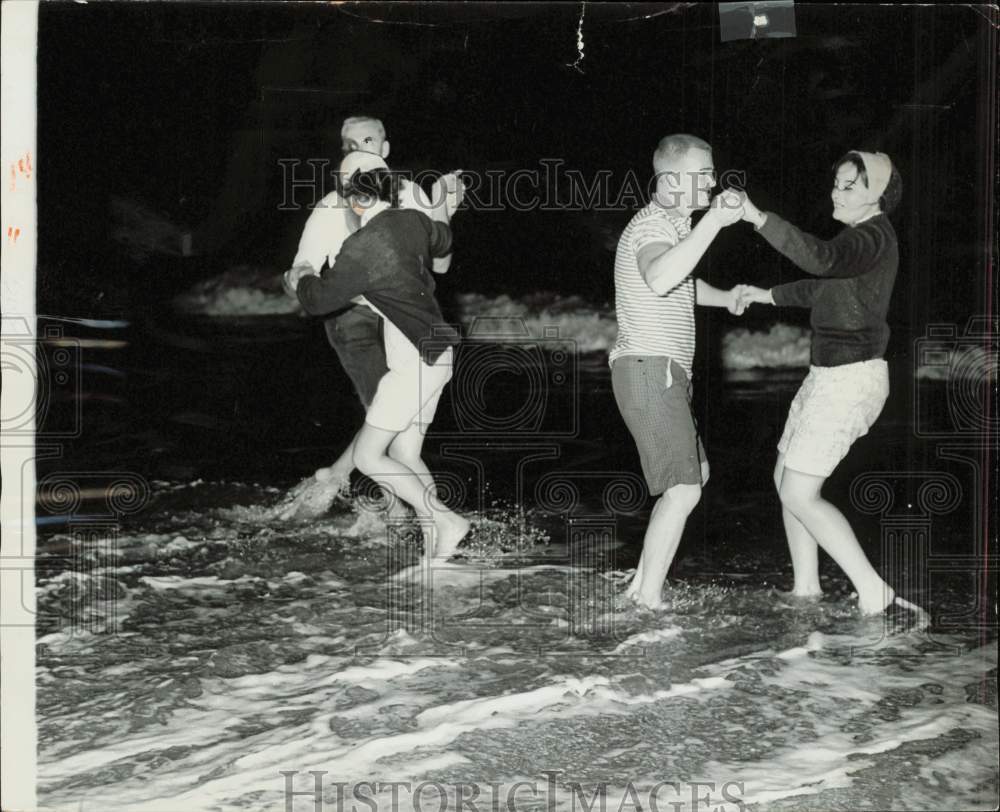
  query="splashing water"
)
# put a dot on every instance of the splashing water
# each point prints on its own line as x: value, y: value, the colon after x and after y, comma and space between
x: 211, y: 661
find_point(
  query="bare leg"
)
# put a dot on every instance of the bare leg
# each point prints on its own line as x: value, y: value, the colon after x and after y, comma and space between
x: 800, y: 494
x: 313, y: 496
x: 801, y: 544
x: 442, y: 528
x: 407, y: 447
x: 342, y: 466
x: 666, y: 524
x: 636, y: 583
x: 340, y: 472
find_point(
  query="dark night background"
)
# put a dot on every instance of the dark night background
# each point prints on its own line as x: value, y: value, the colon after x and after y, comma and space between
x: 192, y: 641
x: 185, y: 109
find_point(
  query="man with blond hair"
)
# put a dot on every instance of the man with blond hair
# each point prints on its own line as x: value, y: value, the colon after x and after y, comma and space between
x: 353, y: 331
x: 652, y: 357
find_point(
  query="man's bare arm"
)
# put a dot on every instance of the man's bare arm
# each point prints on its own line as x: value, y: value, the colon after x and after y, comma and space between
x: 664, y: 266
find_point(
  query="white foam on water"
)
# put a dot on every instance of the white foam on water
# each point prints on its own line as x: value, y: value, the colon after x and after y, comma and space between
x: 589, y: 327
x: 252, y: 761
x: 783, y: 345
x: 351, y: 716
x: 212, y: 299
x: 829, y: 762
x: 164, y: 582
x: 654, y: 636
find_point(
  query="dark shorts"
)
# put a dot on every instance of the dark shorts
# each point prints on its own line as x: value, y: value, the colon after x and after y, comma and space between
x: 356, y: 336
x: 659, y: 419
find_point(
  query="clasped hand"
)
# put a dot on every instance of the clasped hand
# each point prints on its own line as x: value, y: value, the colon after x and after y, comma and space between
x: 745, y: 295
x: 291, y: 278
x: 733, y: 205
x: 449, y: 190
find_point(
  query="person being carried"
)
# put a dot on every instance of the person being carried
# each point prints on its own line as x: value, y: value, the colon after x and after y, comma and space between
x: 652, y: 356
x: 848, y: 381
x: 385, y: 266
x: 353, y: 331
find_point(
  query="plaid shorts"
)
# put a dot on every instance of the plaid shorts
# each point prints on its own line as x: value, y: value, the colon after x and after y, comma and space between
x: 653, y: 394
x: 833, y: 408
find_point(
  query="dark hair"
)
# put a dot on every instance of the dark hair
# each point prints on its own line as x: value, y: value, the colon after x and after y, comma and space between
x: 378, y: 183
x: 893, y: 191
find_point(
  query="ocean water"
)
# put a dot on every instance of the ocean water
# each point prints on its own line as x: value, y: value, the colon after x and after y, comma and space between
x: 216, y: 660
x: 243, y: 292
x: 203, y: 653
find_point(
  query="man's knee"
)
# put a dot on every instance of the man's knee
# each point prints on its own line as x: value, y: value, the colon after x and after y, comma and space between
x: 684, y: 497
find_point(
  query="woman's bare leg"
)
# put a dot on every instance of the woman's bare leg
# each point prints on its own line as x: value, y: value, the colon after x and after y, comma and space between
x: 800, y: 494
x: 443, y: 529
x: 801, y: 544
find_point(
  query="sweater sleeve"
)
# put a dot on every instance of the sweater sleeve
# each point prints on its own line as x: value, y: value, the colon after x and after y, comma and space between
x: 338, y: 285
x: 848, y: 254
x: 802, y: 293
x: 439, y: 235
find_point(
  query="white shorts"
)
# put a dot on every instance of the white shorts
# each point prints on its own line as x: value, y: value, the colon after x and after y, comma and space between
x: 833, y: 408
x: 409, y: 392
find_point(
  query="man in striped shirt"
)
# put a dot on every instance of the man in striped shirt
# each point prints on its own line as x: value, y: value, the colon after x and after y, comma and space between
x: 651, y: 360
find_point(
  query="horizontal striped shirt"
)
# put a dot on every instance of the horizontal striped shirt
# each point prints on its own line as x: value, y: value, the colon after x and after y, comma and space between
x: 649, y: 324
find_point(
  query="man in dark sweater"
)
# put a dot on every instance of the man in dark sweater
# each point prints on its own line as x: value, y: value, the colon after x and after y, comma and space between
x: 848, y: 381
x: 385, y: 265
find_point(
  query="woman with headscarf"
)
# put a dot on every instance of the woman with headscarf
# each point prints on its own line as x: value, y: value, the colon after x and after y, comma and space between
x: 848, y: 380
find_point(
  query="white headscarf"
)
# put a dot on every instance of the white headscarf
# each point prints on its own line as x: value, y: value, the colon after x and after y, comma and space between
x: 878, y: 167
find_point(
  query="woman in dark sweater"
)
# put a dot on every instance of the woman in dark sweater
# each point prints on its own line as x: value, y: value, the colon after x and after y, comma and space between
x: 848, y: 380
x: 385, y: 265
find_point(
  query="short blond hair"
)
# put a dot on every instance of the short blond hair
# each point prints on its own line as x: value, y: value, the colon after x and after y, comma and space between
x: 353, y: 121
x: 672, y: 147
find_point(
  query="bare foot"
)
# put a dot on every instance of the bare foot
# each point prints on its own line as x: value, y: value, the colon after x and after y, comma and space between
x: 633, y: 587
x: 396, y: 511
x: 876, y: 598
x: 923, y: 618
x: 313, y: 496
x: 415, y: 572
x: 651, y: 606
x: 449, y: 534
x: 653, y: 602
x: 797, y: 600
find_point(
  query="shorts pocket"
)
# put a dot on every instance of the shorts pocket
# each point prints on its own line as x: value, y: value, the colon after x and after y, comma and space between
x: 628, y: 382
